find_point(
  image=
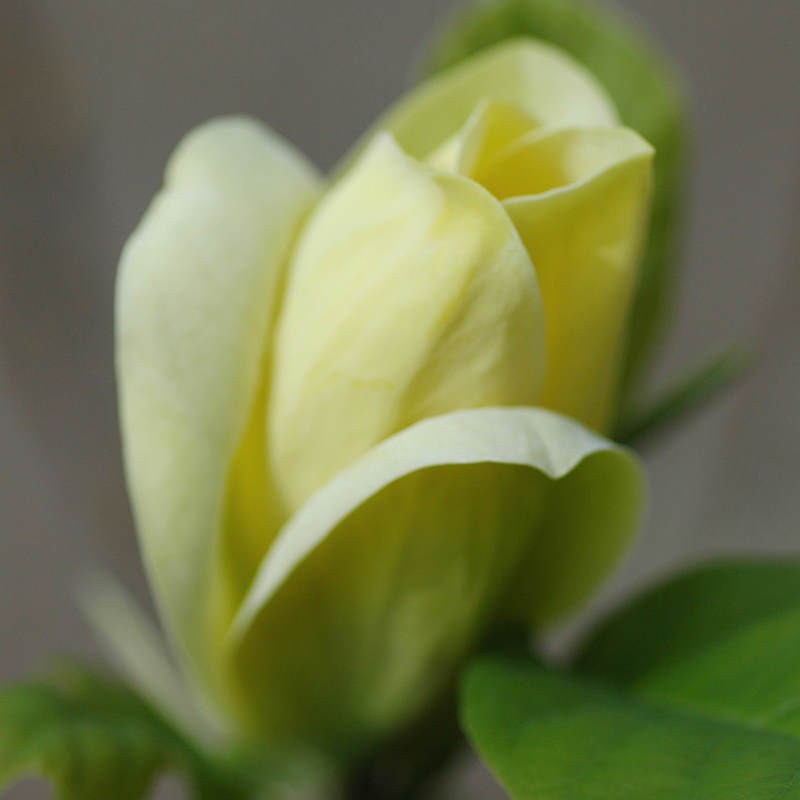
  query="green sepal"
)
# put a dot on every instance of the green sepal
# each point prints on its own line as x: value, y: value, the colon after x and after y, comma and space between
x: 688, y: 394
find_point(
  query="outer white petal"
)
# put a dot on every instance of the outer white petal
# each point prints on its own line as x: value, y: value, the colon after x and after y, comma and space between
x: 196, y: 295
x: 384, y: 580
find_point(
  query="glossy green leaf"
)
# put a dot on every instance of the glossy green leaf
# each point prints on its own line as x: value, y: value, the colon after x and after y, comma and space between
x: 95, y: 739
x: 723, y: 637
x: 694, y: 614
x: 648, y: 98
x: 551, y: 737
x: 706, y: 704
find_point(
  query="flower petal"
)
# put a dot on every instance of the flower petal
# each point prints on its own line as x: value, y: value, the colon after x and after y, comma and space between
x: 410, y: 295
x: 381, y: 584
x: 583, y: 222
x: 196, y: 295
x: 491, y: 127
x: 534, y: 77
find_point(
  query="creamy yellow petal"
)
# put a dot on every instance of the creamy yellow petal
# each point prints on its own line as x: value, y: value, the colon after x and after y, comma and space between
x: 544, y: 160
x: 383, y: 582
x: 492, y: 127
x: 410, y: 295
x: 196, y: 294
x: 583, y: 231
x: 539, y: 80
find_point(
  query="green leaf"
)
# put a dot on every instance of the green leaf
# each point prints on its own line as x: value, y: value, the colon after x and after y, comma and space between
x: 689, y: 394
x: 551, y: 737
x: 722, y: 639
x: 93, y: 738
x: 649, y: 99
x: 700, y: 697
x: 682, y: 616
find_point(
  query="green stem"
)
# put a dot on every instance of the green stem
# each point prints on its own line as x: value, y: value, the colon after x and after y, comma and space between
x: 410, y: 767
x: 390, y: 779
x: 689, y: 394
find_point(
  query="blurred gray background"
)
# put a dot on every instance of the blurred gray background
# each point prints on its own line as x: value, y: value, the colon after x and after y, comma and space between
x: 95, y: 94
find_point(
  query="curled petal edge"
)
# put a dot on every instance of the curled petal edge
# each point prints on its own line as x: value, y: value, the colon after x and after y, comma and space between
x: 383, y: 582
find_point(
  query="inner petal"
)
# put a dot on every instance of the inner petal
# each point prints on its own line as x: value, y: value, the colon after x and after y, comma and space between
x: 492, y: 127
x: 410, y: 295
x: 544, y: 160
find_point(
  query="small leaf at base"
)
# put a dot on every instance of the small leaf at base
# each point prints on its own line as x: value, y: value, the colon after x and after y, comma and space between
x: 93, y: 738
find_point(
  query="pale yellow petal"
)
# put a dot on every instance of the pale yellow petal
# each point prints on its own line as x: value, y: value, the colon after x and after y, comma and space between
x: 383, y: 582
x: 492, y: 127
x: 196, y: 295
x: 539, y: 80
x: 410, y: 295
x: 580, y: 201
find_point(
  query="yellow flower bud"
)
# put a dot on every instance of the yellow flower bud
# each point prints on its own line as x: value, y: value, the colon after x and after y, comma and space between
x: 338, y: 403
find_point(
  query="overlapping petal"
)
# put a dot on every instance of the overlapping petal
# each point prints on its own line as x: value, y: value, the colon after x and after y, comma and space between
x: 197, y: 292
x: 580, y: 201
x: 410, y: 295
x: 538, y: 80
x: 383, y: 581
x: 579, y: 198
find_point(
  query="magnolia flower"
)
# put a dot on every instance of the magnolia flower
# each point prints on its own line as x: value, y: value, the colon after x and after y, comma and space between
x: 357, y: 413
